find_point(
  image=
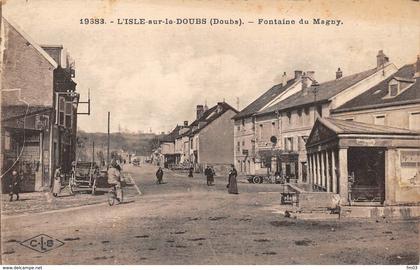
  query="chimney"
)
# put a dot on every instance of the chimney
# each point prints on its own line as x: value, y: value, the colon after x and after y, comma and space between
x: 305, y: 82
x: 338, y: 74
x: 417, y: 66
x: 381, y: 59
x: 298, y: 74
x: 310, y: 75
x: 284, y: 79
x: 185, y: 123
x: 200, y: 111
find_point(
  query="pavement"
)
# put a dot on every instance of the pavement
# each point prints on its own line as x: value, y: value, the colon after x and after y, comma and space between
x: 186, y: 222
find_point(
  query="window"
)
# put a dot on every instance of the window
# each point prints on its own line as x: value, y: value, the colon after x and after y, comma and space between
x: 243, y: 143
x: 192, y: 143
x: 239, y: 127
x: 380, y: 120
x: 238, y: 147
x: 393, y: 90
x: 243, y: 122
x: 69, y: 114
x: 289, y: 117
x: 306, y: 110
x: 414, y: 121
x: 260, y: 132
x: 273, y: 128
x: 288, y: 144
x: 61, y: 108
x: 6, y: 140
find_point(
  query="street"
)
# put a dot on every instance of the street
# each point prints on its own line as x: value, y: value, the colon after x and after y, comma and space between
x: 186, y: 222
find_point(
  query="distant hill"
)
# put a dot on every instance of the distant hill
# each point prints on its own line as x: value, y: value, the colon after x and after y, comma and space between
x: 141, y: 144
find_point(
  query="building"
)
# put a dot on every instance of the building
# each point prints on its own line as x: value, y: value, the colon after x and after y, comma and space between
x: 369, y: 152
x: 293, y: 118
x: 167, y: 146
x: 38, y: 109
x: 246, y: 157
x: 208, y: 140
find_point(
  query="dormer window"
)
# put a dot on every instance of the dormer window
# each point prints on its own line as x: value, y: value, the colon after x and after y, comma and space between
x: 397, y: 85
x: 393, y: 88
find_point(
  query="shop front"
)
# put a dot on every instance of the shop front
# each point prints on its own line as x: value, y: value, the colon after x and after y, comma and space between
x: 365, y: 164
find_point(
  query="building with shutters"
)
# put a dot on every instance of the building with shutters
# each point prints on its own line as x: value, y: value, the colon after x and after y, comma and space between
x: 38, y: 109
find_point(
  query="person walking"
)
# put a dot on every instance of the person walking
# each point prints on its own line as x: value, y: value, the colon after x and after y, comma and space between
x: 159, y: 175
x: 14, y: 185
x: 114, y: 179
x: 232, y: 184
x: 57, y: 182
x: 190, y: 172
x: 209, y: 173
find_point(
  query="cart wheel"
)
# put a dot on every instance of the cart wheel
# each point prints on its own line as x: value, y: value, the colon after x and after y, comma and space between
x: 257, y: 180
x: 111, y: 198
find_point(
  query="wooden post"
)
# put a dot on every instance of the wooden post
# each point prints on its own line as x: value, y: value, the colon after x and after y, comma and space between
x: 333, y: 171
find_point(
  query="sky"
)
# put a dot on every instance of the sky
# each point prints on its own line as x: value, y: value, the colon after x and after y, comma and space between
x: 151, y: 77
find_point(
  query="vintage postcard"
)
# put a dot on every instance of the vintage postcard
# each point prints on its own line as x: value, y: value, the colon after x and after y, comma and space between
x: 207, y: 133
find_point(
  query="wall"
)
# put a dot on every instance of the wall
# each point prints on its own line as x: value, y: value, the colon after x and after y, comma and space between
x: 397, y: 116
x: 25, y: 68
x: 216, y: 141
x: 406, y: 183
x: 244, y: 136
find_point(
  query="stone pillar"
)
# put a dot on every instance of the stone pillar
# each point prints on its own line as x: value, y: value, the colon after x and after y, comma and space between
x: 327, y: 167
x: 333, y: 171
x: 318, y: 168
x: 390, y: 176
x: 308, y: 157
x: 343, y: 176
x: 321, y: 155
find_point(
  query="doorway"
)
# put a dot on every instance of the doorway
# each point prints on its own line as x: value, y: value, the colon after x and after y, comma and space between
x: 366, y: 170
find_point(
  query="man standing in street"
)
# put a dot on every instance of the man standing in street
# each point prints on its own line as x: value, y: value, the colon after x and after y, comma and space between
x: 209, y: 173
x: 14, y: 185
x: 159, y: 175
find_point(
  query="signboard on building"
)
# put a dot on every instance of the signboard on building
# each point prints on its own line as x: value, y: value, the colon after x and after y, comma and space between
x: 410, y: 167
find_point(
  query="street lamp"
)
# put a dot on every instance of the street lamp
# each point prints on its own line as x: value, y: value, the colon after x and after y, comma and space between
x: 314, y: 90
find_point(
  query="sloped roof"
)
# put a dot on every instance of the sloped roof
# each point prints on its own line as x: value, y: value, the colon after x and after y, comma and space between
x: 32, y: 42
x: 265, y: 98
x: 352, y: 127
x: 374, y: 97
x: 326, y: 129
x: 172, y: 135
x: 324, y: 92
x: 208, y: 117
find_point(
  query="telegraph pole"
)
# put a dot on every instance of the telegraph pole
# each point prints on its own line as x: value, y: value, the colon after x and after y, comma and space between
x: 107, y: 151
x: 93, y: 151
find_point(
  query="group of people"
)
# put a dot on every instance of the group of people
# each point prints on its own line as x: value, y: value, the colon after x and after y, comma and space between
x: 209, y: 172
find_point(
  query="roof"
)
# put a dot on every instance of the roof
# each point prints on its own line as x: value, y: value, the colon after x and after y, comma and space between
x: 207, y: 118
x: 19, y: 111
x: 374, y: 97
x: 172, y: 135
x: 32, y: 42
x: 264, y: 99
x: 326, y: 129
x: 324, y: 92
x: 352, y: 127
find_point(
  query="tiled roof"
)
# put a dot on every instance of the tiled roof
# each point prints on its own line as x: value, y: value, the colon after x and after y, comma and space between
x: 374, y: 97
x: 324, y: 92
x: 265, y: 98
x: 352, y: 127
